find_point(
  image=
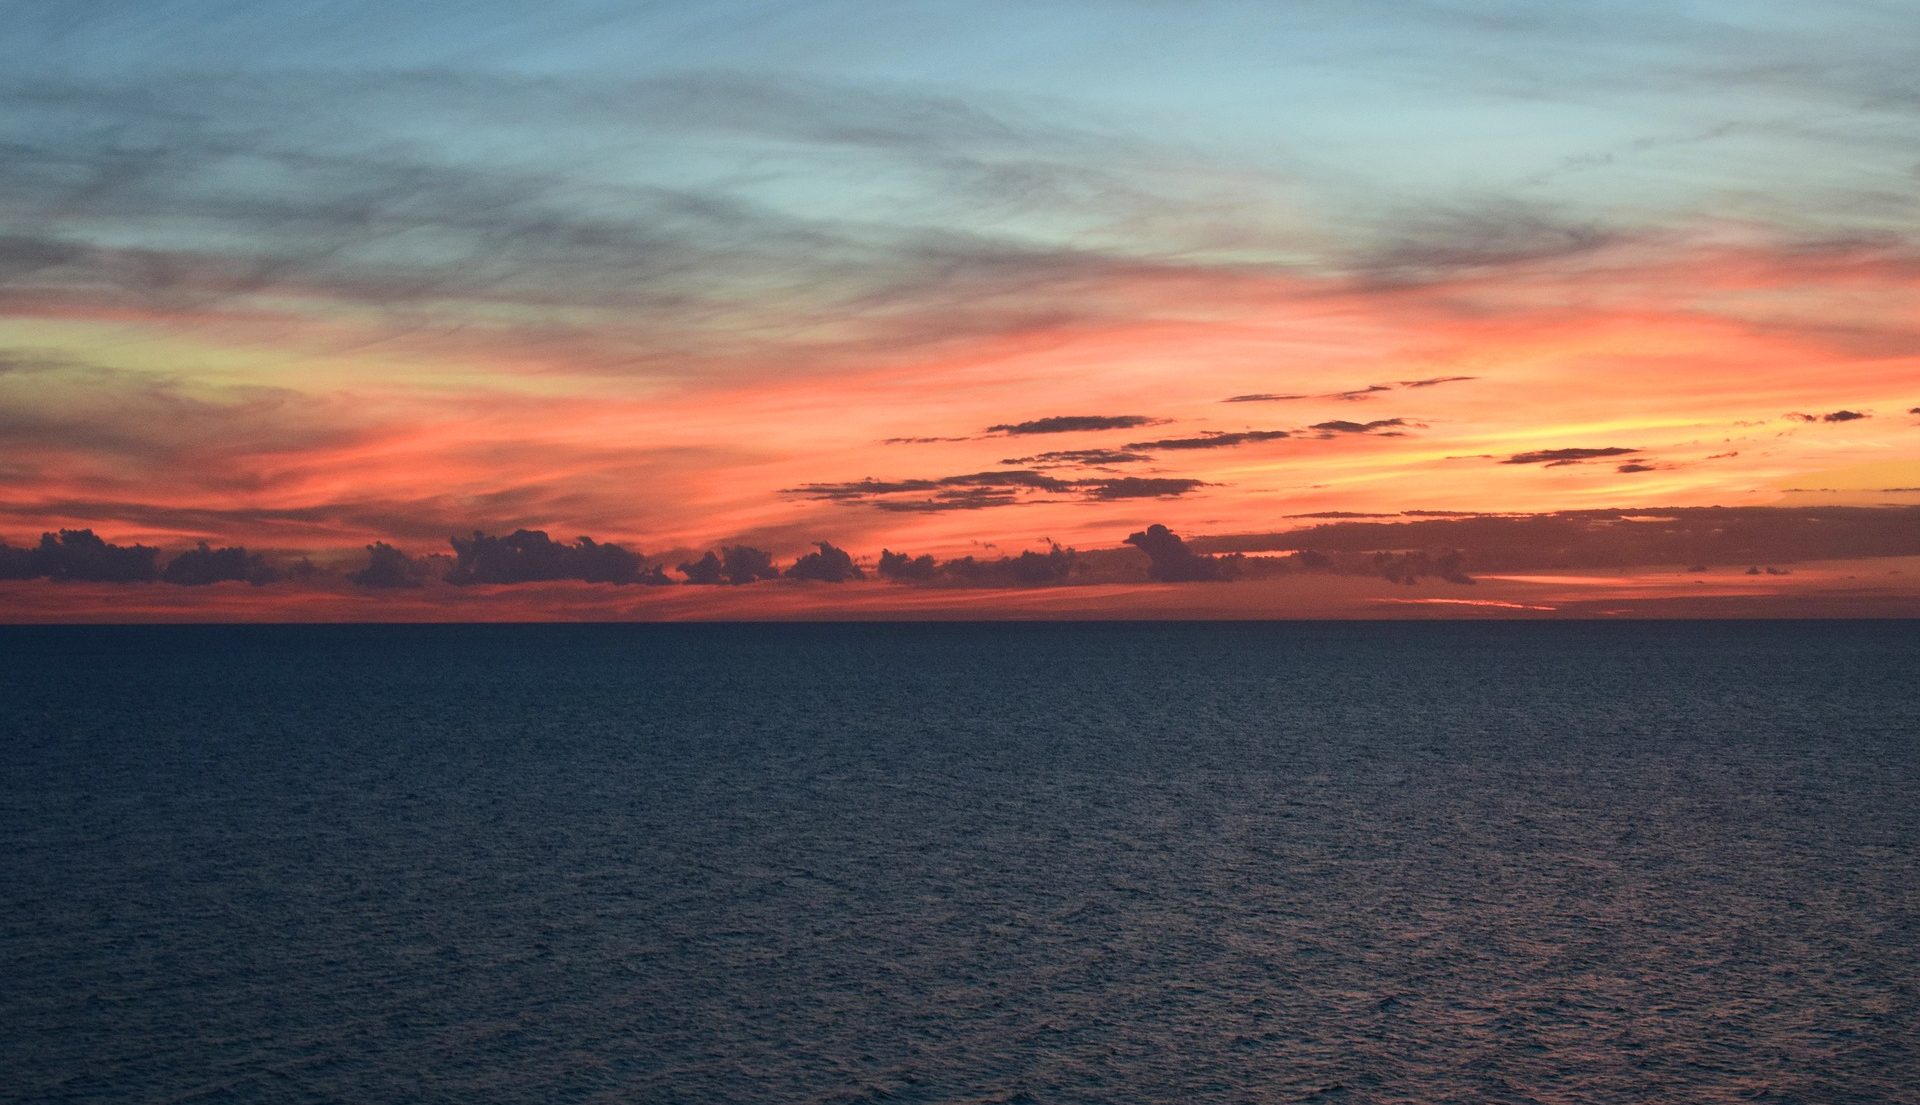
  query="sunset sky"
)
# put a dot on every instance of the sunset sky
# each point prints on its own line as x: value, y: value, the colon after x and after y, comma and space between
x: 949, y: 278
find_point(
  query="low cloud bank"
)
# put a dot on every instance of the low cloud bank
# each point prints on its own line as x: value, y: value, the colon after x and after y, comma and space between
x: 735, y: 564
x: 388, y: 567
x: 1705, y: 536
x: 203, y: 566
x: 81, y: 555
x: 1029, y: 569
x: 1172, y: 561
x: 530, y: 556
x: 828, y: 565
x: 1414, y: 547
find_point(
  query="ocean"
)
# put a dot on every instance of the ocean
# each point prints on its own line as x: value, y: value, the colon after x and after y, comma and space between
x: 1143, y: 862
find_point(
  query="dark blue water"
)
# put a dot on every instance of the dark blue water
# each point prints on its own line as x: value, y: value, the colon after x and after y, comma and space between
x: 1060, y: 863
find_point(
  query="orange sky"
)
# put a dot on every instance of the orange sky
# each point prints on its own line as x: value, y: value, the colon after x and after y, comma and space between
x: 1689, y: 355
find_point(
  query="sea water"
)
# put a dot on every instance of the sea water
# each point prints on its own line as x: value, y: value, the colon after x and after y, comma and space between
x: 961, y: 863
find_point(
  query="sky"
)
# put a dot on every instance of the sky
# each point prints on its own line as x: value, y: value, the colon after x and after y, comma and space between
x: 955, y: 279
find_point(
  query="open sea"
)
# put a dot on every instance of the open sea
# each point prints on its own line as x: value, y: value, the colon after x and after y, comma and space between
x: 1148, y: 862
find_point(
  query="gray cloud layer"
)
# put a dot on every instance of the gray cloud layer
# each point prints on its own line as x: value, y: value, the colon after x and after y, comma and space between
x: 1726, y: 537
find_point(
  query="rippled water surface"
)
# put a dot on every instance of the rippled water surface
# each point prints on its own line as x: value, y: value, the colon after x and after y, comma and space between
x: 1060, y: 863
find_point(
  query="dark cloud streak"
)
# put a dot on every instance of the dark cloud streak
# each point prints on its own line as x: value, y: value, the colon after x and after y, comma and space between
x: 981, y: 490
x: 1619, y: 538
x: 1351, y: 395
x: 1080, y: 457
x: 1074, y: 423
x: 1140, y: 487
x: 1344, y: 427
x: 1553, y: 458
x: 1211, y: 440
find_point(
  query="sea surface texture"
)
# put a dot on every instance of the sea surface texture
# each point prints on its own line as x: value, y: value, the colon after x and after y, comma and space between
x: 963, y: 863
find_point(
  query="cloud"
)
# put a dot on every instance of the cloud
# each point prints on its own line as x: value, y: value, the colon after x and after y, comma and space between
x: 273, y: 209
x: 705, y: 571
x: 1831, y: 416
x: 971, y: 483
x: 1494, y: 233
x: 1074, y: 423
x: 736, y: 564
x: 388, y: 568
x: 828, y: 565
x: 1351, y: 395
x: 1012, y: 477
x: 16, y: 563
x: 80, y: 555
x: 1554, y: 458
x: 971, y: 491
x: 427, y: 518
x: 202, y: 566
x: 1635, y: 467
x: 902, y: 568
x: 97, y: 419
x: 1211, y: 440
x: 1080, y: 457
x: 1136, y: 487
x: 976, y: 498
x: 1028, y: 569
x: 982, y: 490
x: 1617, y: 538
x: 745, y: 564
x: 1410, y: 568
x: 530, y: 556
x: 1343, y: 427
x: 1172, y: 561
